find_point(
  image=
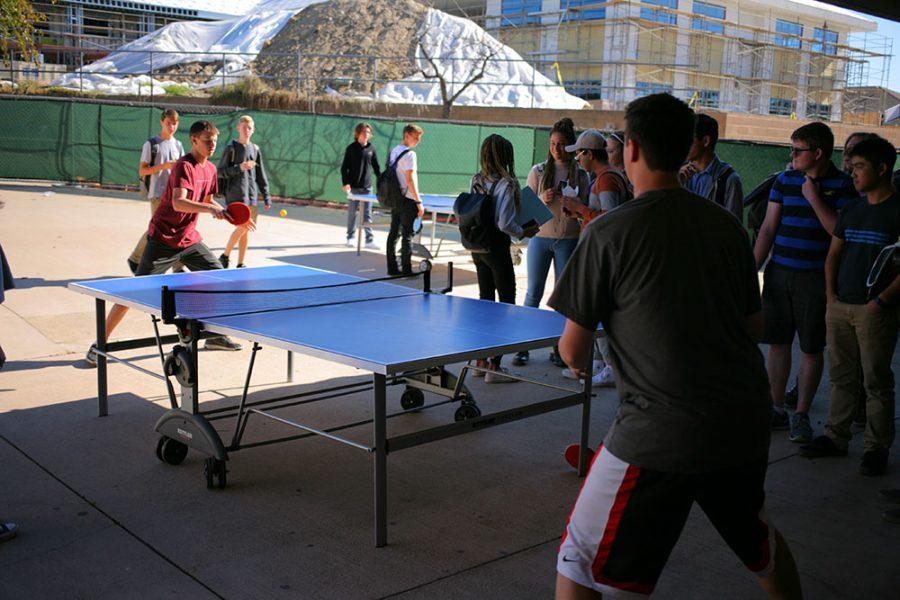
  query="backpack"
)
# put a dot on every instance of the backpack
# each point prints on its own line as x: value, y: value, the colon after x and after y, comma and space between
x: 154, y: 151
x: 758, y: 202
x: 477, y: 224
x: 387, y: 186
x: 721, y: 184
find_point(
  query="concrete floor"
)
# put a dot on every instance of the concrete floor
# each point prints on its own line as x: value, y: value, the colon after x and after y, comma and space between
x: 477, y: 516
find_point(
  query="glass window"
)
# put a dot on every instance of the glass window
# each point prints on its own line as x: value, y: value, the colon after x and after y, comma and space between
x: 793, y: 33
x: 781, y: 106
x: 660, y: 16
x: 589, y: 89
x: 645, y: 88
x: 582, y: 15
x: 818, y: 111
x: 516, y: 12
x: 825, y: 41
x: 707, y: 98
x: 708, y: 24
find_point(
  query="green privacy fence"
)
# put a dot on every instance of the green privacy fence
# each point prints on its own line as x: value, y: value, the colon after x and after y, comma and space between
x: 88, y: 141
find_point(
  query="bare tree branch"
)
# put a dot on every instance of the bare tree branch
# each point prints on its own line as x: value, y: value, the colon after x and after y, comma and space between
x: 486, y: 53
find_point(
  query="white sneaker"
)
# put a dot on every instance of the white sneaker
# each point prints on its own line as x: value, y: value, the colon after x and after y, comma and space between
x: 568, y: 374
x: 350, y: 243
x: 498, y: 376
x: 372, y: 246
x: 605, y: 378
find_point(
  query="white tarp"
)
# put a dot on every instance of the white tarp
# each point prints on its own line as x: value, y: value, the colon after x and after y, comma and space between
x: 892, y: 116
x: 455, y: 43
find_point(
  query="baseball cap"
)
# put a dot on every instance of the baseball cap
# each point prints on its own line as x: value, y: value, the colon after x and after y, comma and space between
x: 590, y: 139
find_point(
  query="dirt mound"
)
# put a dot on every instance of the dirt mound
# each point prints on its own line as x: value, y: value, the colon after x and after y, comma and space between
x: 326, y: 37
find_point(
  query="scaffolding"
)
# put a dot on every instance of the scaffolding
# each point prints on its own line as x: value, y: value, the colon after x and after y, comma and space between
x: 612, y: 52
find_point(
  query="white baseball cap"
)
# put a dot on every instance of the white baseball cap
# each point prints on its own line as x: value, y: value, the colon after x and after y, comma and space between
x: 590, y: 139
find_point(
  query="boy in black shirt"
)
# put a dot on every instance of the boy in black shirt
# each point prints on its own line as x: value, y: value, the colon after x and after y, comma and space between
x: 360, y: 162
x: 862, y: 323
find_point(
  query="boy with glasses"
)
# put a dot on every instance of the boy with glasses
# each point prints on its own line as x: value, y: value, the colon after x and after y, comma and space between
x: 797, y: 229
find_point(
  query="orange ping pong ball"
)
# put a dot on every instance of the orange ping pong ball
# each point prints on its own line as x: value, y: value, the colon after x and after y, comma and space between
x: 282, y: 213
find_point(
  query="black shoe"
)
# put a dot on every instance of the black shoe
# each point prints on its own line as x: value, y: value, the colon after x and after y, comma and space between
x: 822, y: 446
x: 556, y: 359
x: 240, y: 266
x: 132, y: 265
x: 520, y: 359
x: 394, y: 272
x: 780, y: 421
x: 407, y: 273
x: 223, y: 260
x: 221, y: 343
x: 874, y: 463
x: 790, y: 398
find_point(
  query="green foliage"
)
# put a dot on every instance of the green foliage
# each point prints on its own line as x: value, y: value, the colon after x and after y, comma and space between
x: 177, y: 89
x: 17, y: 20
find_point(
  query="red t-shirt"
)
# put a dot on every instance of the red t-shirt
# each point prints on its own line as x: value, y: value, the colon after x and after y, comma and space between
x: 178, y: 229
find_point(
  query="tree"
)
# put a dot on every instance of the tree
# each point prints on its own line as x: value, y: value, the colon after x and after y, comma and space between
x: 17, y: 21
x: 480, y: 52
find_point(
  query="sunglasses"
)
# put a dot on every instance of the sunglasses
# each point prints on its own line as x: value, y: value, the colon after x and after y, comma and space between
x: 796, y: 151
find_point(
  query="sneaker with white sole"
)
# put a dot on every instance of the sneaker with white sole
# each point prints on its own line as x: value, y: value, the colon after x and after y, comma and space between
x: 372, y: 246
x: 350, y: 243
x: 568, y: 374
x: 605, y: 378
x: 801, y: 431
x: 498, y: 375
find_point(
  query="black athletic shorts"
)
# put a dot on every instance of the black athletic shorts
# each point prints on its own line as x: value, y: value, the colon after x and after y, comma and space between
x: 627, y: 519
x: 159, y: 258
x: 794, y: 301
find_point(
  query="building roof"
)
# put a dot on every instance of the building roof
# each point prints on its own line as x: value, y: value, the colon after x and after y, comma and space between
x: 203, y: 9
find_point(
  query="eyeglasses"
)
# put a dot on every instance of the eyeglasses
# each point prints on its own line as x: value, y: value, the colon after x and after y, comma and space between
x: 796, y: 151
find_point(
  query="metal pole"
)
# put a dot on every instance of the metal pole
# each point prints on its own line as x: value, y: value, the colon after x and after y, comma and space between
x: 151, y: 76
x: 380, y: 424
x: 81, y: 73
x: 299, y: 59
x: 223, y: 71
x: 586, y: 416
x: 290, y: 366
x: 102, y: 400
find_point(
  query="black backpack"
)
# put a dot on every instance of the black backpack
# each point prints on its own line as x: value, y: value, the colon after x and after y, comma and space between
x: 387, y: 186
x: 758, y: 202
x: 477, y: 224
x: 154, y: 151
x: 721, y: 184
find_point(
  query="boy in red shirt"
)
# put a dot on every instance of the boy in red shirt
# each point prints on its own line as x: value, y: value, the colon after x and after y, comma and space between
x: 172, y: 236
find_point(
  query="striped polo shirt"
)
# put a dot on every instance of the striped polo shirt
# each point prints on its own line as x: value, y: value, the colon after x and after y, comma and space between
x: 801, y: 243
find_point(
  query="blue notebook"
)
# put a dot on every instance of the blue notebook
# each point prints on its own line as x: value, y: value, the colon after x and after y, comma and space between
x: 532, y: 209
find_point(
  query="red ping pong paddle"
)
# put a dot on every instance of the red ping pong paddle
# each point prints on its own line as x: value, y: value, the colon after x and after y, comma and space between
x: 238, y: 213
x: 572, y: 455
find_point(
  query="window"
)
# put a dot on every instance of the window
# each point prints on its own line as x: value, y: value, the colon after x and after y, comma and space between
x: 707, y: 98
x: 818, y: 111
x: 708, y: 24
x: 516, y: 12
x: 645, y: 88
x: 793, y: 33
x: 582, y: 15
x: 588, y: 89
x: 825, y: 41
x: 781, y: 106
x: 660, y: 16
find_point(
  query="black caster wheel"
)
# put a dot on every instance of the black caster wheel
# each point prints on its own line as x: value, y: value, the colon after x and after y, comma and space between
x: 412, y: 398
x: 171, y: 451
x: 425, y: 265
x: 466, y: 412
x: 215, y: 472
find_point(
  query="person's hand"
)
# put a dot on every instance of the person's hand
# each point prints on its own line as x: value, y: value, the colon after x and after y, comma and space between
x: 249, y: 225
x: 247, y: 165
x: 873, y: 308
x: 216, y: 210
x: 420, y: 210
x: 810, y: 189
x: 268, y: 206
x: 346, y: 189
x: 687, y: 171
x: 548, y: 196
x: 830, y: 298
x: 530, y: 231
x: 572, y: 207
x: 170, y: 164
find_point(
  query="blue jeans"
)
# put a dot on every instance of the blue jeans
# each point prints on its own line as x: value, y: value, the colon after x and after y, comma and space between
x: 540, y: 252
x: 353, y: 213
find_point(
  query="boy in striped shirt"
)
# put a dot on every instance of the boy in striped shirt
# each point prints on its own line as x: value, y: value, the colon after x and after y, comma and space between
x: 797, y: 229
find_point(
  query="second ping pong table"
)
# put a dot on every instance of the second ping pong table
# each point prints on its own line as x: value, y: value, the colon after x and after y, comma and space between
x: 402, y: 335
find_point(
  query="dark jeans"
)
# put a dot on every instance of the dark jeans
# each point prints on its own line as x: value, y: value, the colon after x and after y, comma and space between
x: 496, y: 277
x: 158, y: 258
x: 402, y: 219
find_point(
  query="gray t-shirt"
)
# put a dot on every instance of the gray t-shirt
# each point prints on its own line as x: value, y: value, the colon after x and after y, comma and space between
x: 671, y: 277
x: 170, y: 149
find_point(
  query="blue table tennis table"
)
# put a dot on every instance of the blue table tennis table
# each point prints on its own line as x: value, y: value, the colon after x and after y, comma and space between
x: 433, y: 204
x: 401, y: 335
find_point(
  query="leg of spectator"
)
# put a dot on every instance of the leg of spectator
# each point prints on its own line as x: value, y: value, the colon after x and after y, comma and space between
x: 779, y: 368
x: 843, y: 356
x: 784, y: 582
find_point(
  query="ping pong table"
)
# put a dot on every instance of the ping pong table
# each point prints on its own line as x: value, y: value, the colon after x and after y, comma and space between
x: 434, y: 204
x: 401, y: 335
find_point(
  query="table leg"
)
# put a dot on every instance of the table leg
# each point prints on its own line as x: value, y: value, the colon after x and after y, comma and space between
x: 290, y: 366
x: 360, y: 207
x: 102, y: 399
x: 380, y: 423
x: 433, y: 231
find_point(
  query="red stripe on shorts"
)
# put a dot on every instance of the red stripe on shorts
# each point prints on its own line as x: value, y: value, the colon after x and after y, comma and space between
x: 612, y: 526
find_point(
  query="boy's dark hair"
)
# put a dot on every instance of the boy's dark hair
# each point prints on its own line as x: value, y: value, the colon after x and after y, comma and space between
x: 360, y: 127
x: 817, y: 135
x: 203, y: 126
x: 169, y: 113
x: 663, y: 125
x: 878, y: 151
x: 706, y: 125
x: 413, y: 129
x: 862, y: 135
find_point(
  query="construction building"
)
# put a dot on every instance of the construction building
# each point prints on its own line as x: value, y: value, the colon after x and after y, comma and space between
x: 782, y: 57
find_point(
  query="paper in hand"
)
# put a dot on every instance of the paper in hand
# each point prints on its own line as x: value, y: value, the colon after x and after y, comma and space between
x: 570, y: 192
